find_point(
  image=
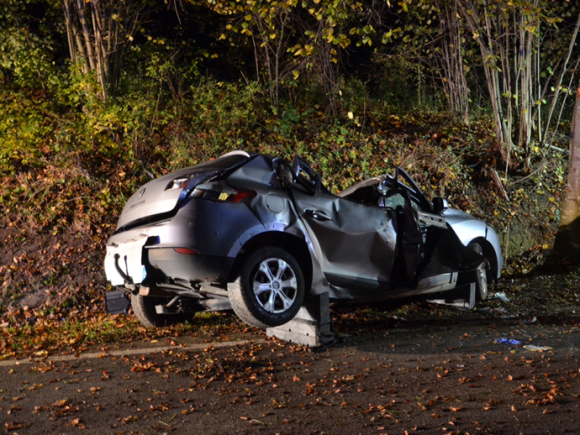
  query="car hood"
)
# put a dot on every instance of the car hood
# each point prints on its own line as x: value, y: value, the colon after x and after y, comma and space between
x: 454, y: 216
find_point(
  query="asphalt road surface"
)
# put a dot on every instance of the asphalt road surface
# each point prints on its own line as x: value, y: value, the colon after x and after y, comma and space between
x: 447, y: 376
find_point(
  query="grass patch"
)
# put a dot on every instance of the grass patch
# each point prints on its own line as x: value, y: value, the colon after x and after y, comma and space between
x: 49, y: 335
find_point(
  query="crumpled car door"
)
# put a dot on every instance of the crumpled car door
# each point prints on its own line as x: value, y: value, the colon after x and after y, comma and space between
x: 356, y: 242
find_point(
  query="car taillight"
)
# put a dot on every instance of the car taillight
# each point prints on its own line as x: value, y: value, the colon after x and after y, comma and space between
x: 218, y: 191
x: 241, y: 195
x: 186, y: 251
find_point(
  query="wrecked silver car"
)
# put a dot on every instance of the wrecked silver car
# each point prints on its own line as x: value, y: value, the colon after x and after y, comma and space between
x: 259, y: 235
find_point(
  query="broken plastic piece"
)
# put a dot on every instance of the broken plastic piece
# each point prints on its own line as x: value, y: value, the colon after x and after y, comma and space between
x: 499, y: 295
x: 312, y: 326
x: 508, y: 341
x: 468, y: 304
x: 535, y: 348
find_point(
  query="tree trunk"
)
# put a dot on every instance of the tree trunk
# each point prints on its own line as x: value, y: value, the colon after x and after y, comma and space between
x: 450, y: 60
x: 99, y: 40
x: 567, y: 244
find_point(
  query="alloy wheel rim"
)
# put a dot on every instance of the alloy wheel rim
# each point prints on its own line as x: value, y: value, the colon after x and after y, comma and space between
x: 275, y: 286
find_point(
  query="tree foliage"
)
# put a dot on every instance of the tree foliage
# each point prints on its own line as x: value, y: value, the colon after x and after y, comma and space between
x: 28, y: 42
x: 123, y: 66
x: 503, y: 51
x: 509, y: 36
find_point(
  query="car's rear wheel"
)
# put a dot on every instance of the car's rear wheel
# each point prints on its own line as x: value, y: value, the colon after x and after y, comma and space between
x: 482, y: 285
x: 270, y: 289
x: 144, y: 310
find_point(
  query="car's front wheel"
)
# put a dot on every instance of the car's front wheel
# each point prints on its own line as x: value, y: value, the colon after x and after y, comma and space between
x: 482, y: 285
x: 270, y: 289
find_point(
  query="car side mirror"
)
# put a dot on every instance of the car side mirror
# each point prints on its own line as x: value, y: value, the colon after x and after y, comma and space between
x: 440, y: 204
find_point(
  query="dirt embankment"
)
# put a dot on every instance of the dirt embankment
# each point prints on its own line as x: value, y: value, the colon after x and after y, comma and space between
x: 42, y: 270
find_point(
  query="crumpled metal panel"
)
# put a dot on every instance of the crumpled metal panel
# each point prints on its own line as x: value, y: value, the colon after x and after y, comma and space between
x: 352, y: 240
x: 351, y: 244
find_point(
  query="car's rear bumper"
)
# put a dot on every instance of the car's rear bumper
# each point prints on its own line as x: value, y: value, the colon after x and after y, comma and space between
x: 135, y: 257
x: 216, y: 231
x: 124, y: 258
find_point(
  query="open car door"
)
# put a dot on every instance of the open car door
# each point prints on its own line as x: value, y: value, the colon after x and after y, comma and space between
x: 410, y: 243
x: 439, y: 258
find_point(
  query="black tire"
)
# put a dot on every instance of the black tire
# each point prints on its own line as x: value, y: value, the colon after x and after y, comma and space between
x: 144, y: 310
x: 270, y: 289
x: 482, y: 284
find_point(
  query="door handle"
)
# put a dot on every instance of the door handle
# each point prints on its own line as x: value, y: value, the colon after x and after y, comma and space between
x: 319, y: 215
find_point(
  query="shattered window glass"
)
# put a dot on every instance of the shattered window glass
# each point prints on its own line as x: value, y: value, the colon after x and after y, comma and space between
x: 393, y: 201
